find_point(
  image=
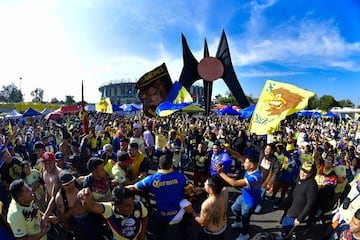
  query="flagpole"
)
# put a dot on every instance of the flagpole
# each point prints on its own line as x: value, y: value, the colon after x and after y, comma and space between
x: 84, y: 114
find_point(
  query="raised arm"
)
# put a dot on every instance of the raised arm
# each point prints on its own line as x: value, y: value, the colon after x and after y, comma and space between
x: 234, y: 153
x: 235, y: 183
x: 87, y: 201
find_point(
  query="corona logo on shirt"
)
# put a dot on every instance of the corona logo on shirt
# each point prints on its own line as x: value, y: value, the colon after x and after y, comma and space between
x: 158, y: 184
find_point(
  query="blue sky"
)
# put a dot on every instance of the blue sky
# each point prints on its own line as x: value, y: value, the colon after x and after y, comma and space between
x: 54, y: 44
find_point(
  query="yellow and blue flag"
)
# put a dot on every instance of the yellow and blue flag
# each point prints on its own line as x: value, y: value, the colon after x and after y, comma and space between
x: 104, y: 106
x: 178, y: 99
x: 277, y: 100
x: 357, y: 116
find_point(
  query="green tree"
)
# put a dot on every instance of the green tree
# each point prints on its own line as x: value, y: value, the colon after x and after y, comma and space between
x: 69, y: 100
x: 229, y: 99
x: 345, y: 103
x: 326, y: 102
x: 313, y: 102
x: 37, y: 95
x: 217, y: 98
x: 11, y: 94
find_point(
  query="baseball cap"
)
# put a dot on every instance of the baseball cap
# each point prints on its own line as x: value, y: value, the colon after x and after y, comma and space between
x: 136, y: 125
x: 48, y: 156
x: 66, y: 178
x: 340, y: 170
x: 107, y: 147
x: 59, y: 156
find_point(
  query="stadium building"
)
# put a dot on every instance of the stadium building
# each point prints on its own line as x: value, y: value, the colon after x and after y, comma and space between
x: 123, y: 92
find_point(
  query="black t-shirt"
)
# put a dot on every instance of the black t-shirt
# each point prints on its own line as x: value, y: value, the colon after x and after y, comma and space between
x: 304, y: 198
x: 201, y: 162
x: 12, y: 171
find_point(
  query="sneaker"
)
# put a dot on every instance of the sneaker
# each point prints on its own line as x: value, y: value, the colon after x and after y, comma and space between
x: 236, y: 225
x: 276, y: 205
x: 258, y: 208
x: 243, y: 237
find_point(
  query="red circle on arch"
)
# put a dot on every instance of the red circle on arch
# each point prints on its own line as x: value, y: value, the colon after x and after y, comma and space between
x: 210, y: 68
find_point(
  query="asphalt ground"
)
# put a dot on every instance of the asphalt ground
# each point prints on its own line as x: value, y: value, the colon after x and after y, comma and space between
x: 267, y: 221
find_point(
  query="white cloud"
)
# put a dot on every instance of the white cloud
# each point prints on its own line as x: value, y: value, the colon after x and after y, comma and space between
x: 306, y: 42
x: 39, y: 46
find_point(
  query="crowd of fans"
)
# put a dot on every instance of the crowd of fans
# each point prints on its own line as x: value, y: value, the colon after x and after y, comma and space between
x: 60, y: 183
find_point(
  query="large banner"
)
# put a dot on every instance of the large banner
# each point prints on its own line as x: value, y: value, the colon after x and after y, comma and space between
x: 277, y: 100
x: 152, y: 89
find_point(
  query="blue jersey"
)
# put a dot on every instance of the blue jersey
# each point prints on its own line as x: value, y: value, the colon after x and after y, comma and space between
x: 168, y: 189
x: 252, y: 192
x: 224, y: 159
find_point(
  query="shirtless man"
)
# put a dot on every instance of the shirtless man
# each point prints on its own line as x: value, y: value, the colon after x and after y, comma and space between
x: 50, y: 175
x: 71, y: 212
x: 213, y: 210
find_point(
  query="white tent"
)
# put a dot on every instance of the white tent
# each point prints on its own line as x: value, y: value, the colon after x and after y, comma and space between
x: 14, y: 114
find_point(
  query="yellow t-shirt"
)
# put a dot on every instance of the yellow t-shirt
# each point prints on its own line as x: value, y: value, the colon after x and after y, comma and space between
x: 24, y: 221
x: 135, y: 165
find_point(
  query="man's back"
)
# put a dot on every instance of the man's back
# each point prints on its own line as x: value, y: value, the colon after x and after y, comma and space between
x: 168, y: 189
x: 214, y: 210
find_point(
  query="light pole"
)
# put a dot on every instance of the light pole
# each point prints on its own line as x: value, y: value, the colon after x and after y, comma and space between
x: 21, y: 95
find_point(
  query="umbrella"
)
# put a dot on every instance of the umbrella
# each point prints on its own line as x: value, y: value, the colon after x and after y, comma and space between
x: 54, y: 116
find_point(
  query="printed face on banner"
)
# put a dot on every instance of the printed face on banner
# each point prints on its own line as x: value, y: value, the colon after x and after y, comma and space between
x: 153, y: 87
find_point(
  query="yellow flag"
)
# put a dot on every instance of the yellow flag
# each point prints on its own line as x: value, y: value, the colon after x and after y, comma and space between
x: 10, y: 129
x: 356, y: 116
x: 104, y: 106
x: 277, y: 100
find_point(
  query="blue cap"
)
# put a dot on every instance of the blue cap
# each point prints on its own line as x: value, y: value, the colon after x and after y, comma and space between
x: 59, y: 156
